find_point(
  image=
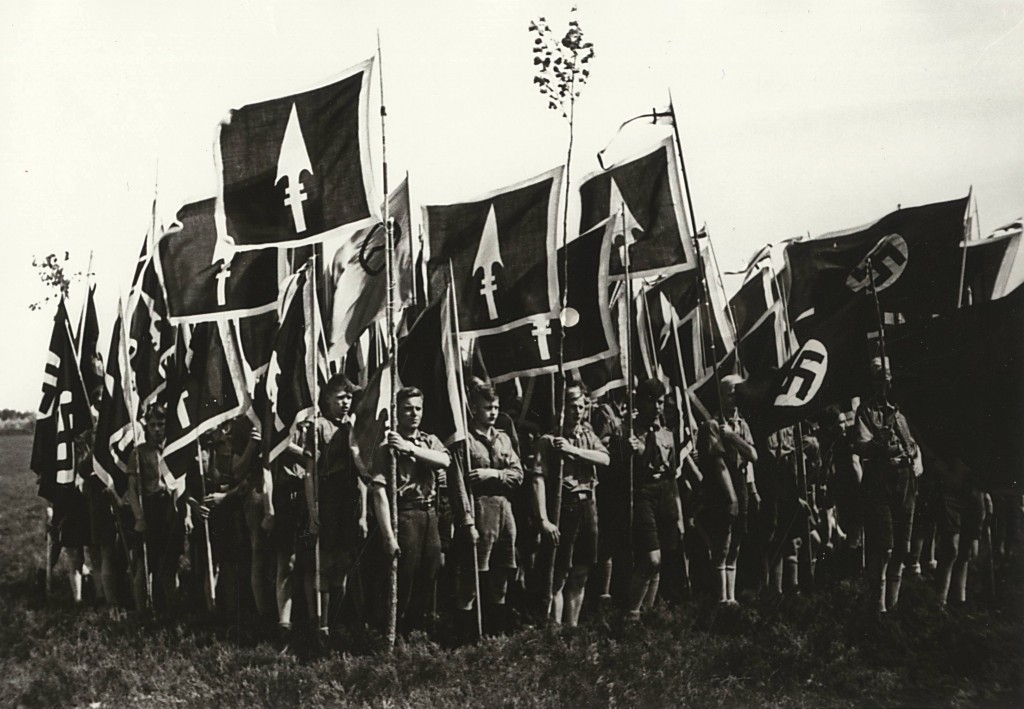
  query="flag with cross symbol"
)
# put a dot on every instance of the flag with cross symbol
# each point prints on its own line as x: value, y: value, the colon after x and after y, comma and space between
x: 497, y: 251
x: 585, y: 329
x: 204, y: 280
x: 296, y: 170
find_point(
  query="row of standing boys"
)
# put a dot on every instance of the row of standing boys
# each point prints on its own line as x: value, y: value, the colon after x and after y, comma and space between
x: 615, y: 512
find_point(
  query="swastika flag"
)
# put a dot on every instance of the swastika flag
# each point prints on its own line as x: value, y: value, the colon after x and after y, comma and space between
x: 915, y: 263
x: 204, y: 282
x: 500, y: 248
x: 63, y: 412
x: 296, y: 169
x: 830, y: 366
x: 115, y: 436
x: 207, y: 388
x: 643, y: 199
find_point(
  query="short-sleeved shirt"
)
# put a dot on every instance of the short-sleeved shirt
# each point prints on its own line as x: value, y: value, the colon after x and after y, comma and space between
x: 334, y: 449
x: 658, y: 461
x: 714, y: 445
x: 145, y: 463
x: 577, y: 475
x: 336, y: 468
x: 494, y: 450
x: 416, y: 480
x: 879, y: 425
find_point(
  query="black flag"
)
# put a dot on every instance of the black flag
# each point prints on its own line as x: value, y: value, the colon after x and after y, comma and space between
x: 205, y: 280
x: 296, y: 169
x: 63, y: 412
x: 499, y: 248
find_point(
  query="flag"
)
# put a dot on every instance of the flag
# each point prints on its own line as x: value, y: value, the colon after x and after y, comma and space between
x: 256, y: 337
x: 831, y: 365
x: 532, y: 348
x: 498, y: 251
x: 642, y: 199
x: 916, y: 262
x: 63, y: 411
x: 206, y: 389
x: 371, y: 415
x: 88, y: 337
x: 150, y: 337
x: 296, y: 169
x: 959, y: 379
x: 291, y: 375
x: 357, y: 274
x: 114, y: 438
x: 429, y: 359
x: 204, y: 280
x: 994, y: 266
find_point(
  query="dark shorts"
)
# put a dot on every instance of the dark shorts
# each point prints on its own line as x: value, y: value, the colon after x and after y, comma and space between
x: 577, y: 543
x: 613, y: 515
x: 890, y: 495
x: 497, y: 528
x: 70, y: 517
x: 102, y: 524
x: 339, y: 543
x: 289, y: 513
x: 165, y: 531
x: 962, y: 512
x: 655, y: 517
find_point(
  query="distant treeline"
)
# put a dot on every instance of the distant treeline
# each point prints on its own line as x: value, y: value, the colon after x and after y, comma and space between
x: 16, y: 422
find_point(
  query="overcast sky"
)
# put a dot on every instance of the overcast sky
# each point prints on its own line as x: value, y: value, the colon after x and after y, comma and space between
x: 796, y: 116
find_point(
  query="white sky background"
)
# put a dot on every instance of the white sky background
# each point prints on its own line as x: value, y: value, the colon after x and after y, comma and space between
x: 796, y: 116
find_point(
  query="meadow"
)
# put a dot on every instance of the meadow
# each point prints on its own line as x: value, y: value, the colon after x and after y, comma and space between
x: 818, y: 650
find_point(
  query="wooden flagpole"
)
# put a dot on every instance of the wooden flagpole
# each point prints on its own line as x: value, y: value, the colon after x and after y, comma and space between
x: 465, y: 427
x: 132, y: 414
x: 629, y: 359
x: 313, y: 377
x: 702, y: 272
x: 211, y: 577
x: 392, y: 482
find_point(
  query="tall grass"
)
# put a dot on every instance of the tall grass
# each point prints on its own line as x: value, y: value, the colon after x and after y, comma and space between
x: 794, y: 651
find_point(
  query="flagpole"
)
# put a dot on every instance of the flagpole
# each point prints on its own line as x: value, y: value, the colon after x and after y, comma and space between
x: 807, y: 557
x: 312, y: 375
x: 702, y: 272
x: 210, y: 576
x: 963, y: 260
x: 392, y: 485
x: 132, y: 414
x: 85, y: 305
x: 881, y: 328
x: 629, y: 356
x: 465, y: 427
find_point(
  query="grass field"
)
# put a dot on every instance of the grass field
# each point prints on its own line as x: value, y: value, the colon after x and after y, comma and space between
x: 798, y: 651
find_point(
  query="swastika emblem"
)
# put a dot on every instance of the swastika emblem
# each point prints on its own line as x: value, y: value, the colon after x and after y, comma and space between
x: 888, y: 260
x: 806, y: 376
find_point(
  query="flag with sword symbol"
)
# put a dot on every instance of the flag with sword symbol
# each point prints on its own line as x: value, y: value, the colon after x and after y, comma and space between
x: 296, y: 170
x: 498, y: 250
x: 643, y: 199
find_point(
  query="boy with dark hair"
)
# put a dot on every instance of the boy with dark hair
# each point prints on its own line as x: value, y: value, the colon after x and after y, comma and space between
x: 157, y: 523
x: 725, y: 449
x: 495, y: 472
x: 657, y: 513
x: 335, y: 497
